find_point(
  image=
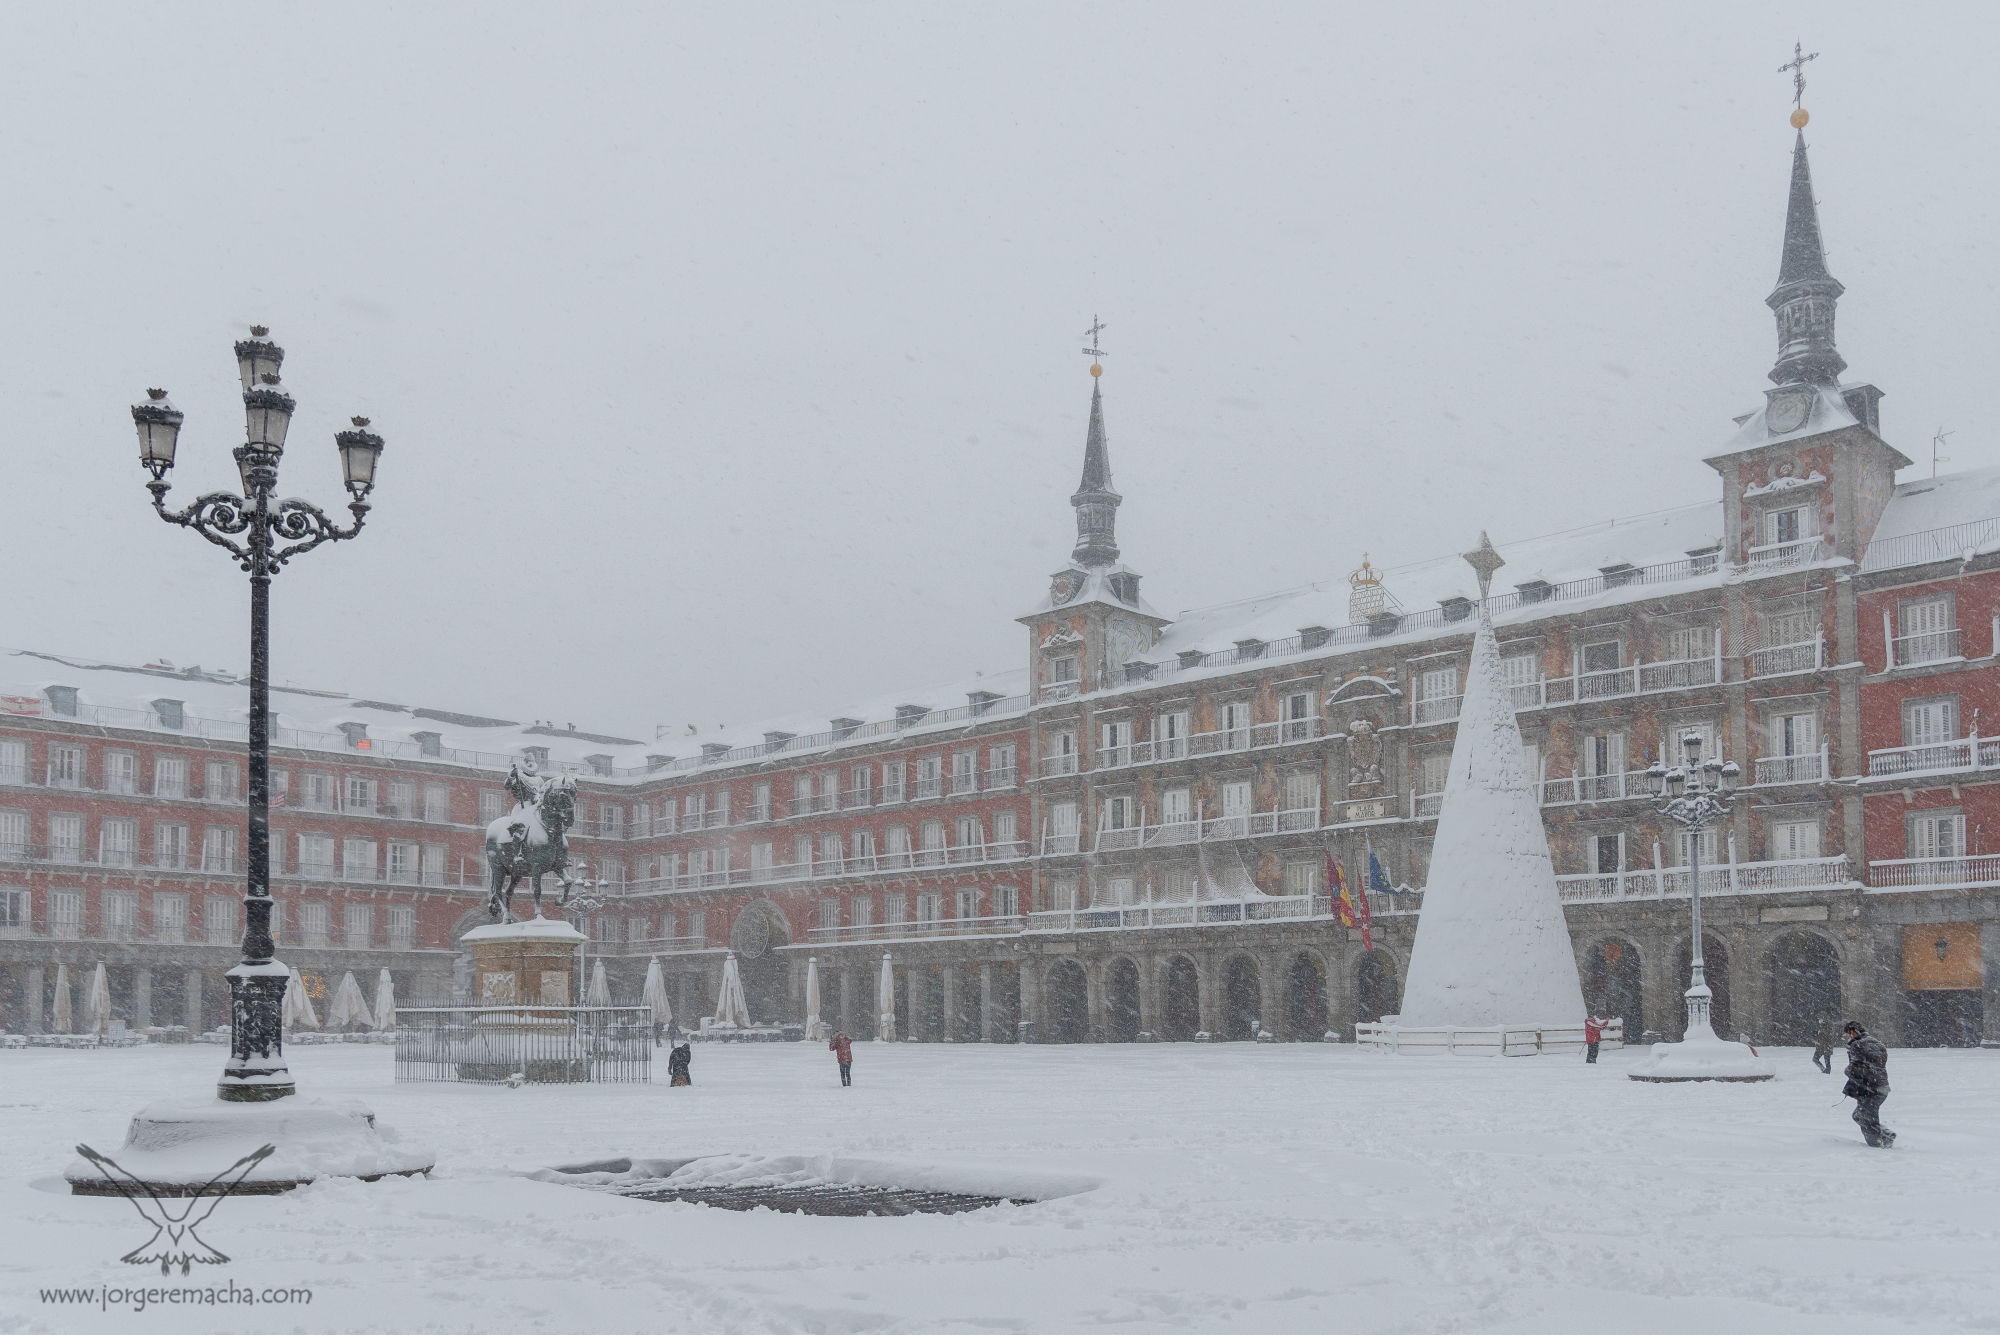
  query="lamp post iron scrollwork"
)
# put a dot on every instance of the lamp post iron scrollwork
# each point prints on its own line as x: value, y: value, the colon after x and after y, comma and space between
x: 1697, y: 796
x: 262, y: 534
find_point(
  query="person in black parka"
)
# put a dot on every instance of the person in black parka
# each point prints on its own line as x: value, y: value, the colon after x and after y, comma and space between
x: 1867, y: 1083
x: 1823, y: 1045
x: 678, y: 1062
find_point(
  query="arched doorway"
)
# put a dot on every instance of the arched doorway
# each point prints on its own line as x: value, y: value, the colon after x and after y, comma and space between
x: 1803, y: 974
x: 1242, y: 999
x: 1180, y: 1011
x: 1121, y: 1001
x: 1612, y: 988
x: 1068, y: 1003
x: 1377, y: 989
x: 1715, y: 969
x: 1305, y: 998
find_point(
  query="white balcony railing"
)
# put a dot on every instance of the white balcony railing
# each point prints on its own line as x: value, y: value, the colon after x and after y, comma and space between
x: 1739, y: 878
x: 1596, y: 788
x: 1966, y: 753
x: 1181, y: 913
x: 1931, y: 646
x: 933, y: 927
x: 1777, y: 659
x: 1425, y: 806
x: 1810, y: 768
x: 1612, y: 683
x: 1893, y: 873
x: 1056, y: 765
x: 1784, y: 555
x: 1055, y: 845
x: 1436, y: 709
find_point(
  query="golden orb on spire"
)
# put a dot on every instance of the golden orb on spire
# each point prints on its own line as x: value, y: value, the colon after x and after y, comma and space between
x: 1799, y: 118
x: 1095, y: 370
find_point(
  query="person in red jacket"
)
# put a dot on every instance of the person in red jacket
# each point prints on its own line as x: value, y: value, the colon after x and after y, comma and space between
x: 1593, y: 1034
x: 842, y: 1049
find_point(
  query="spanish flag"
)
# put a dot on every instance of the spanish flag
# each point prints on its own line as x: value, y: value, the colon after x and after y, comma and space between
x: 1344, y: 906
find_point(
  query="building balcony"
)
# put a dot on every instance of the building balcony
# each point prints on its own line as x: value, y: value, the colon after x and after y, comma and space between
x: 1786, y: 555
x: 1810, y: 768
x: 1061, y: 845
x: 1216, y: 829
x: 648, y: 945
x: 1437, y: 709
x: 1630, y: 785
x: 892, y: 863
x: 1739, y: 878
x: 921, y: 929
x: 1612, y: 683
x: 929, y: 788
x: 1931, y: 873
x: 1776, y: 660
x: 1002, y: 777
x: 1934, y: 646
x: 1182, y: 913
x: 1058, y: 765
x: 1964, y: 754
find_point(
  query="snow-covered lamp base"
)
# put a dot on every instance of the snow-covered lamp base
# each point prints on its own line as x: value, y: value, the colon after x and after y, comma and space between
x: 179, y: 1147
x: 1702, y: 1056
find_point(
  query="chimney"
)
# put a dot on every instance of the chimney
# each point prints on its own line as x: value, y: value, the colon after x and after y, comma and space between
x: 845, y: 727
x: 656, y: 762
x: 711, y: 751
x: 1314, y: 637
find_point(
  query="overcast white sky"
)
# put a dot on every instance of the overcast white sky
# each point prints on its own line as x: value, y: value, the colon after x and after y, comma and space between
x: 728, y: 356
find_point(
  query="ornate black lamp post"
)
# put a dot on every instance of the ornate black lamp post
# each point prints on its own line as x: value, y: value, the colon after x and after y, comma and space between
x: 261, y: 534
x: 1697, y: 797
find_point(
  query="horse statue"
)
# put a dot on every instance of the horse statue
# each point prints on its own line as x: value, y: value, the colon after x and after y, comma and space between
x: 528, y: 842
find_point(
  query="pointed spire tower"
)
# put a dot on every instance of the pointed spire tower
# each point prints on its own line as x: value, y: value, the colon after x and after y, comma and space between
x: 1092, y: 629
x: 1806, y: 295
x: 1492, y: 948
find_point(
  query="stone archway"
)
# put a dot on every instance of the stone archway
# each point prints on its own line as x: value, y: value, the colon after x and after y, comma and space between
x: 1305, y: 998
x: 1180, y: 1000
x: 1715, y: 969
x: 1378, y: 987
x: 1242, y: 1000
x: 1613, y: 986
x: 1802, y: 975
x: 1121, y: 1001
x: 757, y: 935
x: 1066, y: 994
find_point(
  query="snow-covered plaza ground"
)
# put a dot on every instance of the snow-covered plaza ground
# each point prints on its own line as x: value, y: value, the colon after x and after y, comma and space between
x: 1243, y: 1188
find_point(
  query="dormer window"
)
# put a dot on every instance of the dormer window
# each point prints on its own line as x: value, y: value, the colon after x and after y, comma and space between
x: 1191, y: 657
x: 600, y: 765
x: 62, y: 701
x: 713, y: 751
x: 429, y: 743
x: 909, y: 714
x: 1619, y: 575
x: 1246, y: 649
x: 1456, y: 607
x: 1314, y: 637
x: 1535, y: 591
x: 356, y: 735
x: 538, y: 756
x: 170, y: 714
x: 1792, y: 524
x: 845, y: 727
x: 656, y: 762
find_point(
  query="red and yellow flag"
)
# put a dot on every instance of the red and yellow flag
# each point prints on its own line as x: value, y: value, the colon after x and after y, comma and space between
x: 1345, y: 908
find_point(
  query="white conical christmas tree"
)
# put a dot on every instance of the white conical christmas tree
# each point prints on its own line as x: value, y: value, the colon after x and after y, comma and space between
x: 1492, y: 947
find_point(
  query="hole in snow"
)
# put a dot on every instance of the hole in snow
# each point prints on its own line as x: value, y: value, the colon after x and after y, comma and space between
x: 815, y: 1185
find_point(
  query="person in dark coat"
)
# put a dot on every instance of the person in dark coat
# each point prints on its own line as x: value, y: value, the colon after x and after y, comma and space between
x: 1867, y: 1083
x: 1823, y: 1043
x: 677, y: 1065
x: 1593, y: 1034
x: 842, y: 1049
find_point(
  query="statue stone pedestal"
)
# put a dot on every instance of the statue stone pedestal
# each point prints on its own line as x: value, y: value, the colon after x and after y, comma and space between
x: 523, y: 963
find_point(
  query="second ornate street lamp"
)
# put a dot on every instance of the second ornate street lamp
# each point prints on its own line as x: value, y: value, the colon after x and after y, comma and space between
x: 1698, y: 795
x: 262, y: 534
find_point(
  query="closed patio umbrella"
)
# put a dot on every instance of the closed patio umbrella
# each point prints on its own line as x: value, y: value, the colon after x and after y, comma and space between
x: 97, y: 1003
x: 61, y: 1015
x: 349, y: 1009
x: 885, y: 1002
x: 813, y: 1025
x: 298, y: 1011
x: 385, y: 1001
x: 730, y: 1006
x: 655, y: 995
x: 600, y: 987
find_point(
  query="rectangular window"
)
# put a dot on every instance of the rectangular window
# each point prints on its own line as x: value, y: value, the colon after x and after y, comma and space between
x: 968, y: 833
x: 830, y: 852
x: 1006, y: 901
x: 861, y: 910
x: 1431, y: 767
x: 1177, y: 882
x: 121, y: 772
x: 437, y: 862
x: 1120, y: 890
x: 930, y: 906
x: 698, y: 926
x: 357, y: 859
x: 1607, y: 853
x: 1795, y: 735
x: 965, y: 902
x: 930, y: 776
x: 930, y: 843
x: 316, y: 855
x: 1115, y: 743
x: 490, y: 806
x: 317, y: 792
x: 170, y: 845
x: 829, y: 915
x: 1175, y: 806
x: 402, y: 925
x: 1235, y: 719
x: 278, y: 787
x: 1936, y: 834
x: 403, y: 863
x: 1930, y: 722
x: 65, y: 837
x: 315, y: 922
x: 1300, y: 790
x: 218, y: 781
x: 1687, y: 643
x: 760, y: 802
x: 1794, y: 839
x: 65, y: 766
x: 13, y: 762
x: 1062, y: 891
x: 895, y: 910
x: 1300, y: 878
x: 1063, y: 669
x: 610, y: 820
x: 719, y: 808
x: 1926, y: 632
x: 1604, y: 656
x: 760, y: 860
x: 1170, y: 736
x: 402, y: 799
x: 437, y: 803
x: 121, y: 914
x: 1006, y: 833
x: 1005, y: 771
x: 357, y: 923
x: 1120, y: 813
x: 897, y: 852
x: 1685, y: 846
x: 117, y: 842
x: 218, y: 920
x: 1437, y: 683
x: 965, y: 771
x: 1236, y: 800
x: 170, y: 776
x: 860, y: 780
x: 361, y: 792
x: 13, y: 834
x: 802, y: 851
x: 1062, y: 827
x: 170, y: 917
x: 218, y: 848
x: 66, y: 913
x: 829, y: 790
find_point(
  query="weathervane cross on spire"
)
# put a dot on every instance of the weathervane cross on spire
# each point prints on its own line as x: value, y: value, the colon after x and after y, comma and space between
x: 1097, y: 327
x: 1796, y: 67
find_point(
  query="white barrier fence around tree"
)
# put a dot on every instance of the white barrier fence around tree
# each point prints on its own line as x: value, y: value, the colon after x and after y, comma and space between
x: 1491, y: 1041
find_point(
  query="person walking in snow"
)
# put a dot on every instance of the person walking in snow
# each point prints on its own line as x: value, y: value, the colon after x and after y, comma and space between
x: 1593, y: 1034
x: 678, y: 1062
x: 1823, y: 1041
x: 1867, y: 1084
x: 842, y: 1049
